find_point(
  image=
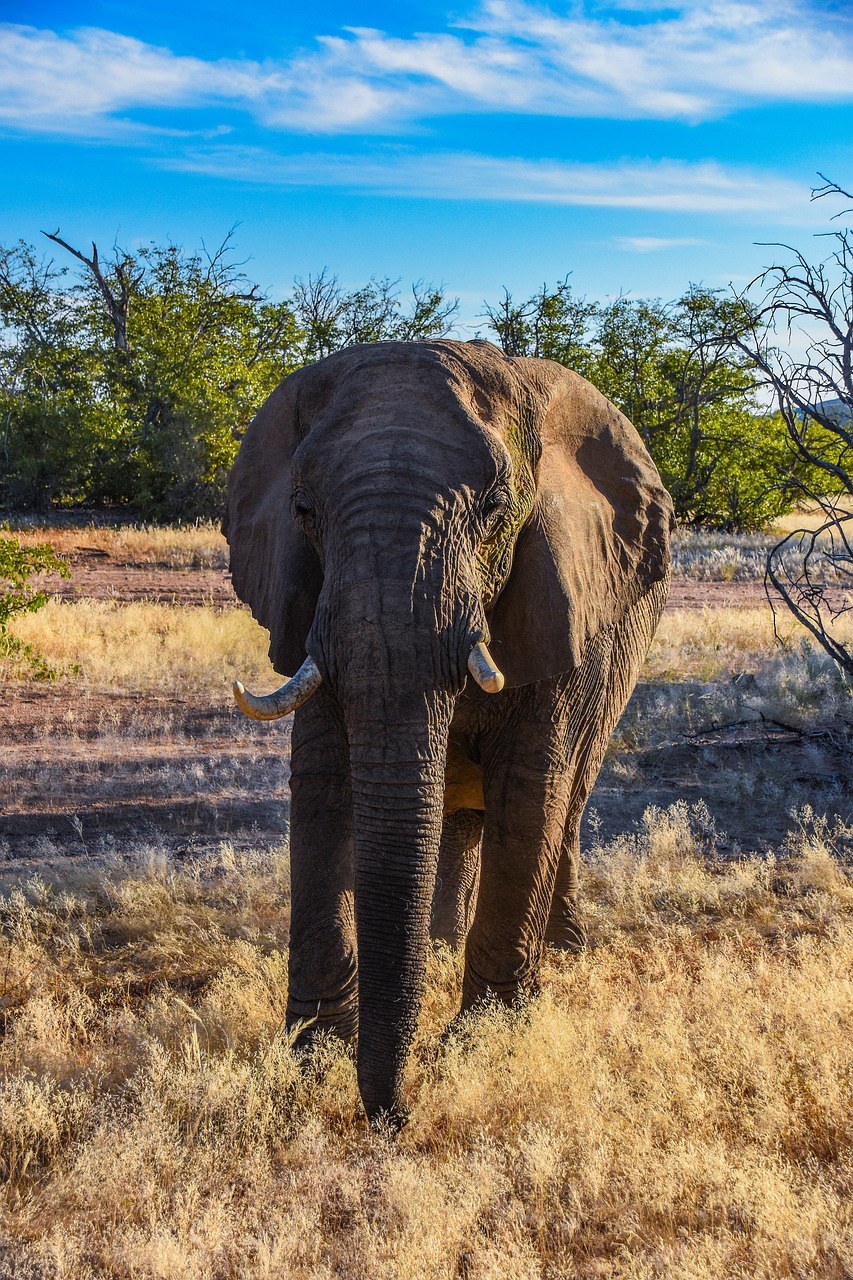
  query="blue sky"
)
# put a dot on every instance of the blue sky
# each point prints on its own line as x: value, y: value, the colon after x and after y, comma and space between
x: 492, y: 143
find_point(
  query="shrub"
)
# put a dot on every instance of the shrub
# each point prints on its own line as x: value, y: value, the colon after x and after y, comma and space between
x: 18, y: 564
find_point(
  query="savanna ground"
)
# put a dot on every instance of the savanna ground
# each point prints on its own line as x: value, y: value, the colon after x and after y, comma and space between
x: 678, y: 1102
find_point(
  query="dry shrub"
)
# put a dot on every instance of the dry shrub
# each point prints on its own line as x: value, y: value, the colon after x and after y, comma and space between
x: 705, y: 644
x: 706, y: 556
x: 798, y: 686
x: 802, y: 686
x: 720, y: 557
x: 678, y: 1102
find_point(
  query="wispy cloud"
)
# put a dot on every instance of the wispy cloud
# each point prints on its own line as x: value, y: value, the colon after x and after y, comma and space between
x: 664, y: 186
x: 655, y: 244
x: 690, y: 61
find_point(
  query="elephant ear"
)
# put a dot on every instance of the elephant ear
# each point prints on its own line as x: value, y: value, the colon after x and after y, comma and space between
x: 274, y: 568
x: 596, y: 541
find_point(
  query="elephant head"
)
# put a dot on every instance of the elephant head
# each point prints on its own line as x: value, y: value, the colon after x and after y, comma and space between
x: 402, y: 515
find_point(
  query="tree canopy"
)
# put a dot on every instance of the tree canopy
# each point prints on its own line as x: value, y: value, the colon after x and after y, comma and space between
x: 129, y: 379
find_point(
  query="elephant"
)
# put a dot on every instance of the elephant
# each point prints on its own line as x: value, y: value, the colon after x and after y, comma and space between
x: 463, y: 556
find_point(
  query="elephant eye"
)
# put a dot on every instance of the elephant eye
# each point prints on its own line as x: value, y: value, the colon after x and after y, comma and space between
x: 301, y: 508
x: 494, y: 504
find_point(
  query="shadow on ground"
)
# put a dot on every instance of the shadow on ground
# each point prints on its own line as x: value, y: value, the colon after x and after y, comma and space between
x: 86, y: 774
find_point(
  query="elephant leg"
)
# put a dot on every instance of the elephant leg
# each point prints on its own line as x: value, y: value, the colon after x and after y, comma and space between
x: 526, y: 788
x: 565, y: 931
x: 323, y: 972
x: 631, y: 639
x: 456, y: 879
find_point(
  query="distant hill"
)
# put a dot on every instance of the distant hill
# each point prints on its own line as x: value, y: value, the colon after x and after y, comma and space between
x: 838, y: 410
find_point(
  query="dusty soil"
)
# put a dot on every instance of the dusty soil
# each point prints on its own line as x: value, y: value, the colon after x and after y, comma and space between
x: 85, y: 773
x: 96, y: 575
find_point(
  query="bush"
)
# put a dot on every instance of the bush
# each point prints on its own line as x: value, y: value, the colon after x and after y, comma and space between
x: 17, y: 565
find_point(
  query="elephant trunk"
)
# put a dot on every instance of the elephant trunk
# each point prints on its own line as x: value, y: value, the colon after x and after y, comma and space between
x: 397, y: 790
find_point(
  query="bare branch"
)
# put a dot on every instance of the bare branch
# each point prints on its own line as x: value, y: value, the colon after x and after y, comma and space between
x: 117, y: 303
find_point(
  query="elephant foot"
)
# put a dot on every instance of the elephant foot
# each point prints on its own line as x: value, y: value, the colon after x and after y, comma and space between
x: 310, y: 1026
x: 451, y: 938
x: 390, y: 1122
x: 479, y: 992
x: 566, y: 933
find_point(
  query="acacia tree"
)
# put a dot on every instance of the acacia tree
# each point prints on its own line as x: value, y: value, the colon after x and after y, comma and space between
x: 51, y: 395
x: 189, y: 347
x: 809, y: 305
x: 133, y: 382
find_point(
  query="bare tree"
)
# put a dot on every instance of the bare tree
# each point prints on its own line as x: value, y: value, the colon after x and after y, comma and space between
x: 810, y: 305
x: 115, y: 293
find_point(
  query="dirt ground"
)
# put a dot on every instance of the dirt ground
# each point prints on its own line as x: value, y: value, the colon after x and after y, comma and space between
x: 85, y: 773
x: 97, y: 576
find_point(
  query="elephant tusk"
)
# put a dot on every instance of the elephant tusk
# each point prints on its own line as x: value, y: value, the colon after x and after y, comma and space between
x: 482, y: 668
x: 291, y: 695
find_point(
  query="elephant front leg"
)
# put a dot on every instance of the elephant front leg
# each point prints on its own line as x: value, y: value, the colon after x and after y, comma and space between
x: 565, y: 931
x: 323, y: 972
x: 456, y: 879
x: 526, y: 793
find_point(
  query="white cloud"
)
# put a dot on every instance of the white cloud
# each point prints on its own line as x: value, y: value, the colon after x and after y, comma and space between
x: 653, y: 244
x: 688, y: 62
x: 665, y: 186
x: 692, y: 60
x: 46, y: 79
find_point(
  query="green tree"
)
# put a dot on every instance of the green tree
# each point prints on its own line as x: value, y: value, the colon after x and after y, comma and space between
x: 187, y: 348
x: 675, y: 370
x: 53, y: 402
x: 133, y: 382
x: 553, y: 324
x: 330, y: 317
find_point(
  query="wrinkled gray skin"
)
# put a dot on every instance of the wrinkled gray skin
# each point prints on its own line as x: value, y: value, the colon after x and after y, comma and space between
x: 391, y: 506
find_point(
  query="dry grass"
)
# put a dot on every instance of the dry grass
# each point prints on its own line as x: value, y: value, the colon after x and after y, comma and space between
x: 148, y: 646
x: 811, y: 516
x: 199, y: 546
x: 741, y: 557
x: 720, y: 557
x: 697, y: 554
x: 709, y: 643
x: 677, y: 1103
x: 106, y: 645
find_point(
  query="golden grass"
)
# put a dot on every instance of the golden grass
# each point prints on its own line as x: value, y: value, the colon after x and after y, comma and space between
x: 809, y: 517
x: 147, y: 647
x: 677, y: 1103
x: 200, y: 546
x: 704, y: 644
x: 202, y: 648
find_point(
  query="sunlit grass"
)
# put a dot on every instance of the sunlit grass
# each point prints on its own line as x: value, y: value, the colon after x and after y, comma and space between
x: 147, y: 646
x: 707, y: 644
x: 697, y: 554
x: 197, y: 546
x: 677, y: 1103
